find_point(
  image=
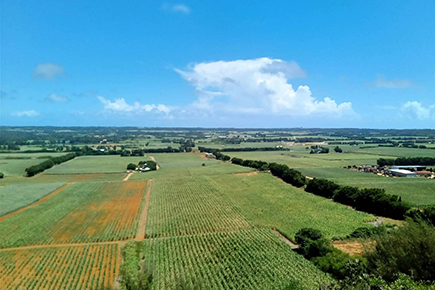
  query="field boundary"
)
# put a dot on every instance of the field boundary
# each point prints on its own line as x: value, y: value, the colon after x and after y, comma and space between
x: 127, y: 177
x: 140, y: 236
x: 284, y: 238
x: 118, y: 242
x: 41, y: 200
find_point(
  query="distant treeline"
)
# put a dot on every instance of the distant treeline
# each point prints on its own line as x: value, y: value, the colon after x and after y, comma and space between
x: 406, y: 161
x: 35, y: 169
x: 214, y: 150
x: 371, y: 200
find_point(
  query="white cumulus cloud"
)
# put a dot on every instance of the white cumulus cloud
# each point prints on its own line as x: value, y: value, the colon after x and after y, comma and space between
x: 382, y: 82
x: 30, y: 113
x: 121, y: 106
x: 180, y: 8
x: 416, y: 110
x: 257, y: 86
x: 47, y: 71
x: 54, y: 98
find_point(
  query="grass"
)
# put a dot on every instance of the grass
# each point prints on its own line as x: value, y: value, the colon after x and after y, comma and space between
x: 82, y: 212
x: 268, y: 202
x: 249, y: 259
x: 94, y: 164
x: 16, y: 196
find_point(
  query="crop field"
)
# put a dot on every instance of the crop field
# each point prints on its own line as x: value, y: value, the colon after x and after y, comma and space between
x: 418, y: 190
x: 78, y: 267
x: 15, y: 196
x: 268, y: 202
x: 83, y: 212
x: 94, y: 164
x: 14, y: 164
x: 248, y: 259
x: 187, y: 206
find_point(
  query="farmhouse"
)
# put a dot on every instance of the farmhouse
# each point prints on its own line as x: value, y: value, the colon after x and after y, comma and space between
x: 210, y: 155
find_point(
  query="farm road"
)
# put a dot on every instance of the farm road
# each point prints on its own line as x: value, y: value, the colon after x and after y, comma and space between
x: 140, y: 236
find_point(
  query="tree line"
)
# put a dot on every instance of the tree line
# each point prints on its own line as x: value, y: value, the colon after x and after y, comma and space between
x: 237, y: 149
x: 406, y: 161
x: 35, y: 169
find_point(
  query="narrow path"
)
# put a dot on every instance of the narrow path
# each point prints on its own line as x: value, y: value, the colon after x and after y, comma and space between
x: 128, y: 176
x: 120, y: 242
x: 157, y: 165
x: 41, y: 200
x: 140, y: 236
x: 287, y: 241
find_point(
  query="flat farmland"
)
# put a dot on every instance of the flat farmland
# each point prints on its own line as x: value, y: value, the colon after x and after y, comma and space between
x: 269, y: 202
x: 187, y: 206
x: 78, y: 267
x: 94, y: 164
x: 83, y: 212
x: 247, y: 259
x: 14, y: 164
x: 15, y: 196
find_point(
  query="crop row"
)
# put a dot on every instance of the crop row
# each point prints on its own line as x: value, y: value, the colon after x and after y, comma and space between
x: 247, y: 259
x: 69, y: 268
x: 185, y: 206
x: 83, y: 212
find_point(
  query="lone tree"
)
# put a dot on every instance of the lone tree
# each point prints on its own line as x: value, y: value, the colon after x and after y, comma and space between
x: 131, y: 166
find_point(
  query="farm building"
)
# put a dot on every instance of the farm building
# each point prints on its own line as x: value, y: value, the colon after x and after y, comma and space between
x: 402, y: 173
x: 210, y: 155
x: 409, y: 167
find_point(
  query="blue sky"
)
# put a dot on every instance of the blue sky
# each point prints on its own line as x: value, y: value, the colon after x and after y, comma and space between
x: 319, y: 63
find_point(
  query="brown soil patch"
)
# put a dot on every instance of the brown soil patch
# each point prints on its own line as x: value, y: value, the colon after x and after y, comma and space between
x: 127, y: 177
x: 203, y: 156
x: 287, y: 241
x: 157, y: 165
x: 140, y: 236
x: 247, y: 173
x: 43, y: 199
x: 350, y: 247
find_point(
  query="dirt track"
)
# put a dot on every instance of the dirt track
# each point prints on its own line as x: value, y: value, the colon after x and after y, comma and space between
x: 43, y: 199
x: 287, y: 241
x: 157, y: 165
x: 140, y: 236
x: 128, y: 176
x: 247, y: 173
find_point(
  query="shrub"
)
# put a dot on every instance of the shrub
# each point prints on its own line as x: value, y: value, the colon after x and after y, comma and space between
x: 307, y: 234
x: 409, y: 250
x: 1, y: 175
x: 131, y: 166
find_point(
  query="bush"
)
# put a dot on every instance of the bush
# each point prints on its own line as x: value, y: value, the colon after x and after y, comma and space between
x: 333, y: 262
x: 131, y: 166
x: 409, y: 250
x: 1, y: 175
x: 307, y: 234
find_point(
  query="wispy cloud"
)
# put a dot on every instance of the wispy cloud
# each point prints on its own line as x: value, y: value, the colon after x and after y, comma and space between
x: 180, y: 8
x: 415, y: 110
x: 54, y: 98
x: 258, y: 86
x: 382, y: 82
x: 121, y: 106
x: 30, y: 113
x: 47, y: 71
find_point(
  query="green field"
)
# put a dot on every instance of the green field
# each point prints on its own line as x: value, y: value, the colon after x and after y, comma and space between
x: 187, y: 206
x: 14, y: 164
x: 268, y: 202
x: 248, y: 259
x: 16, y: 196
x: 95, y: 164
x: 418, y: 191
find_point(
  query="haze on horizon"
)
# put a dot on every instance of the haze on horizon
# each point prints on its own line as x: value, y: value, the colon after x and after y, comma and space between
x: 368, y: 64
